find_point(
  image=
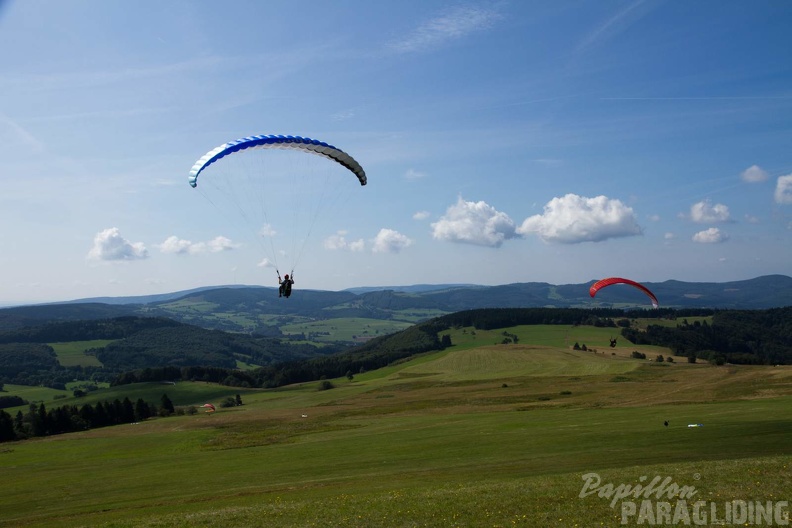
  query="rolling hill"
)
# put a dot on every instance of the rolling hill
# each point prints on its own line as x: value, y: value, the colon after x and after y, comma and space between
x: 255, y: 309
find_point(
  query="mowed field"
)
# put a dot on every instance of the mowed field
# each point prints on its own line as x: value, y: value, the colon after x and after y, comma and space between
x: 481, y: 434
x: 73, y: 353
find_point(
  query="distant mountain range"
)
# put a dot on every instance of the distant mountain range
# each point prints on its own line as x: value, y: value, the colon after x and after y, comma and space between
x: 258, y: 308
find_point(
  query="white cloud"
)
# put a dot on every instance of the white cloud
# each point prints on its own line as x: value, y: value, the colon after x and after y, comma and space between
x: 220, y: 243
x: 572, y: 219
x: 751, y: 219
x: 753, y: 174
x: 174, y: 244
x: 413, y: 174
x: 267, y: 231
x: 110, y: 245
x: 339, y: 242
x: 266, y: 263
x: 390, y: 241
x: 783, y: 192
x: 180, y: 246
x: 704, y: 212
x: 712, y: 235
x: 454, y: 24
x: 474, y: 223
x: 421, y: 215
x: 669, y: 236
x: 654, y: 218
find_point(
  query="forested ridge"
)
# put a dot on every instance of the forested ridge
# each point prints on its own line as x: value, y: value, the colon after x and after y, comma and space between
x: 87, y: 330
x: 136, y: 343
x: 249, y: 309
x: 755, y: 337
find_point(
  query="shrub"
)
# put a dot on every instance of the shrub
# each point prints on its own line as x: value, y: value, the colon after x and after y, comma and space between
x: 326, y: 385
x: 229, y: 402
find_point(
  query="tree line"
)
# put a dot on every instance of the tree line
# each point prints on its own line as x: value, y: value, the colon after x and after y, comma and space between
x: 748, y: 337
x: 223, y: 376
x: 88, y: 330
x: 40, y: 421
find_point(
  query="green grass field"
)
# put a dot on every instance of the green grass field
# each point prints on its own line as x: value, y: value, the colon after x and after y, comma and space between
x: 344, y: 329
x: 73, y: 353
x: 481, y: 434
x: 29, y: 393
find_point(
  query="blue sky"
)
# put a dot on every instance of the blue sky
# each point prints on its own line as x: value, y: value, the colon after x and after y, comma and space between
x: 504, y: 141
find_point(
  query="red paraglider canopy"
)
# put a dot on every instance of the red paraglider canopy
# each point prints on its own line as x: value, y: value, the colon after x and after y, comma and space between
x: 618, y: 280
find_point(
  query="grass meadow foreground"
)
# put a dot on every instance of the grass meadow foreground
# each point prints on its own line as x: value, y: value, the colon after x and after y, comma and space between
x: 482, y: 434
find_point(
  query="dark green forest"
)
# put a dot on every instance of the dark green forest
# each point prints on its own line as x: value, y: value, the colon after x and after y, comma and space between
x: 139, y: 343
x: 40, y: 421
x: 748, y: 337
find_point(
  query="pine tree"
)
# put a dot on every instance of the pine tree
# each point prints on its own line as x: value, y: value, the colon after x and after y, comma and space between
x: 167, y: 405
x: 6, y: 427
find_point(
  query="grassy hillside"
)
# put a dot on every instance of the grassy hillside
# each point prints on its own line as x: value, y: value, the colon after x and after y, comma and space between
x: 475, y: 435
x: 73, y: 353
x: 348, y: 330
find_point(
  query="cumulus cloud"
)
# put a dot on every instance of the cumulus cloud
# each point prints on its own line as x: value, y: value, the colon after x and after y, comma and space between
x: 454, y: 24
x: 390, y: 241
x: 753, y: 174
x: 475, y: 223
x: 572, y: 219
x: 220, y: 243
x: 421, y: 215
x: 267, y: 231
x: 338, y: 241
x: 713, y: 235
x: 110, y: 245
x: 704, y: 212
x: 783, y: 192
x: 174, y: 244
x: 266, y: 263
x: 179, y: 246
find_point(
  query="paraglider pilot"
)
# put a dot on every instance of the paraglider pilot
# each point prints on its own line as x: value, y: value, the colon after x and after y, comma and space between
x: 285, y: 285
